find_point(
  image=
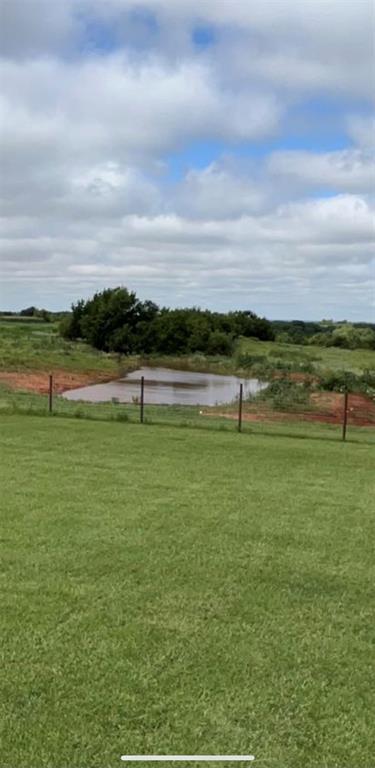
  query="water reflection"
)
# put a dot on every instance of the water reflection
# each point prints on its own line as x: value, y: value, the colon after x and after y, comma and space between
x: 166, y: 386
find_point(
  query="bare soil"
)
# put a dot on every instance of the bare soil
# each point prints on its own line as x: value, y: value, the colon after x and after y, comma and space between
x: 38, y: 381
x: 328, y: 407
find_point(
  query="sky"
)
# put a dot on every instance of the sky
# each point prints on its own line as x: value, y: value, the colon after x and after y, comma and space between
x: 213, y: 153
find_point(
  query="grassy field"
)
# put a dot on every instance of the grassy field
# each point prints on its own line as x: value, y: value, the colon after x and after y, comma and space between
x: 32, y: 345
x: 333, y: 358
x: 168, y: 590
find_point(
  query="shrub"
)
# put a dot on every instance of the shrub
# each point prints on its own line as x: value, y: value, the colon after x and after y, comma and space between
x: 262, y: 367
x: 346, y: 381
x: 219, y: 343
x: 284, y: 394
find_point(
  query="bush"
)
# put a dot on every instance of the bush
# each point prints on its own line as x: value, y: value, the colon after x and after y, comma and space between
x: 346, y: 336
x: 346, y: 381
x: 284, y: 394
x: 115, y: 320
x: 219, y: 343
x: 262, y: 367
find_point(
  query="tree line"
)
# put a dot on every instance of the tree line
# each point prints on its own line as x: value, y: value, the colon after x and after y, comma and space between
x: 326, y: 333
x: 115, y: 320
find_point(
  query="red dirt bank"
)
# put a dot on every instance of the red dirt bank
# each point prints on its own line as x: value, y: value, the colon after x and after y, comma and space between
x: 328, y: 408
x: 37, y: 381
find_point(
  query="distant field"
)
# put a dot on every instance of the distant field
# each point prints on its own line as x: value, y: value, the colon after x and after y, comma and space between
x: 33, y: 345
x: 334, y: 358
x: 20, y: 319
x: 170, y: 590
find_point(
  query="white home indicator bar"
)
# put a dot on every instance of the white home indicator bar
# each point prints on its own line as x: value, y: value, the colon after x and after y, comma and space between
x: 187, y: 758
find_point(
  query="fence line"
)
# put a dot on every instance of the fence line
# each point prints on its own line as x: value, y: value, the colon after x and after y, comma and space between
x: 142, y: 400
x: 240, y: 399
x: 50, y: 392
x: 277, y: 414
x: 345, y: 416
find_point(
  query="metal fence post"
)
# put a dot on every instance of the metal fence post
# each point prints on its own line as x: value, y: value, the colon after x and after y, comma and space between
x: 50, y: 393
x: 240, y: 408
x: 345, y: 416
x: 142, y: 398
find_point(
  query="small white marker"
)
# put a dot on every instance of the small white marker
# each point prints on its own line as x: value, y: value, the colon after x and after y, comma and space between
x: 187, y: 758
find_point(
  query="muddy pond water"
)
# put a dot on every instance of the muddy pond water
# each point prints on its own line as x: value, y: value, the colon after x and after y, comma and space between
x: 166, y: 386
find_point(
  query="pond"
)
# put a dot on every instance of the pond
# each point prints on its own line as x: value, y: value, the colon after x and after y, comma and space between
x: 166, y: 386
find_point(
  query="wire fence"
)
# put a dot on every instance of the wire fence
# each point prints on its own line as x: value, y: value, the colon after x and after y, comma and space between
x: 339, y: 411
x: 282, y: 410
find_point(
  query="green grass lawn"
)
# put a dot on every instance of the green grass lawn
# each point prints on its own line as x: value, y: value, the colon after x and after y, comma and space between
x: 184, y: 591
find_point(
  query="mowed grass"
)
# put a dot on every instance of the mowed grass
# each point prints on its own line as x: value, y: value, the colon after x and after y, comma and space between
x: 184, y: 591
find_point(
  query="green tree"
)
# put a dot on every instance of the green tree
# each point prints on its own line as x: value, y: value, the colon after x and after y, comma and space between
x: 116, y: 320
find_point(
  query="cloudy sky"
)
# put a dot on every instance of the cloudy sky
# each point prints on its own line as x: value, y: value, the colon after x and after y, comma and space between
x: 201, y: 152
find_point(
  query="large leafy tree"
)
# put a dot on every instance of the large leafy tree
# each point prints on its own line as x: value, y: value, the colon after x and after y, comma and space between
x: 116, y: 320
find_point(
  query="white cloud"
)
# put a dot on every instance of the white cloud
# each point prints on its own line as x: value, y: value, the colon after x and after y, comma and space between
x: 169, y: 256
x: 218, y: 192
x: 314, y: 45
x: 349, y: 170
x: 31, y: 27
x: 86, y: 197
x: 362, y: 130
x: 125, y: 109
